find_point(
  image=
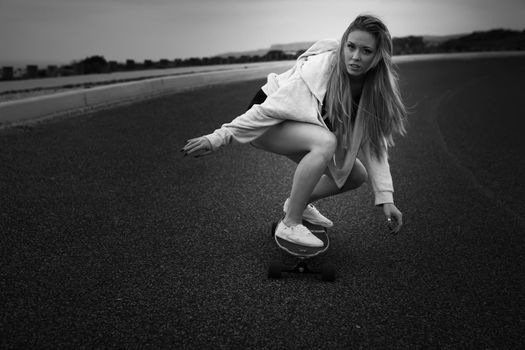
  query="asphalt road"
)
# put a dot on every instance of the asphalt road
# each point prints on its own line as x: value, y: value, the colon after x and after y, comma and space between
x: 111, y: 239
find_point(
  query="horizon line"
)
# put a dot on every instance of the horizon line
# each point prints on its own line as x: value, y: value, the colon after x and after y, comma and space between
x: 22, y: 62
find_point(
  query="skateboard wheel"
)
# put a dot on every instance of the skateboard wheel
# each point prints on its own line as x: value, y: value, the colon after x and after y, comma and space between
x: 275, y: 270
x: 328, y: 273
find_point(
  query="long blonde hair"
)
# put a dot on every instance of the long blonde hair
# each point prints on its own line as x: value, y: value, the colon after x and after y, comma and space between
x: 384, y: 111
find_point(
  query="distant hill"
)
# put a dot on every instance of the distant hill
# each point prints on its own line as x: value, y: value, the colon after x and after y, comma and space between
x: 290, y: 48
x: 237, y: 54
x: 433, y: 40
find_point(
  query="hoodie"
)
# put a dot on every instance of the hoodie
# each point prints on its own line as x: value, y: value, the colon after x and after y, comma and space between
x: 298, y: 94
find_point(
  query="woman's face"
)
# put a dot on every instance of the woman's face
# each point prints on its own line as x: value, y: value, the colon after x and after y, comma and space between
x: 359, y: 52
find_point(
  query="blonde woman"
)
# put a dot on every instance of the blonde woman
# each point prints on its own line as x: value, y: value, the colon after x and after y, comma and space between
x: 334, y: 114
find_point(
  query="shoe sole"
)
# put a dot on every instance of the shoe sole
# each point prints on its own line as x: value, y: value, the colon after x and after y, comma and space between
x: 298, y: 243
x: 318, y: 223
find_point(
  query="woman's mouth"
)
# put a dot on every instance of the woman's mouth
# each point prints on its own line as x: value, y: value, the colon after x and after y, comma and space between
x: 354, y: 66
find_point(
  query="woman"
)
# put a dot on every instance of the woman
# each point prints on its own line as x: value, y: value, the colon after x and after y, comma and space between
x: 334, y: 113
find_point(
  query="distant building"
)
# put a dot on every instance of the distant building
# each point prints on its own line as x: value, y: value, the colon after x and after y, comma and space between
x: 52, y: 71
x: 7, y: 73
x: 163, y: 63
x: 113, y: 66
x: 130, y: 64
x: 32, y: 71
x: 66, y: 70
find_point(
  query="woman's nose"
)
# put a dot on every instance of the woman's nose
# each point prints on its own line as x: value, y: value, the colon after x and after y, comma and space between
x: 356, y: 55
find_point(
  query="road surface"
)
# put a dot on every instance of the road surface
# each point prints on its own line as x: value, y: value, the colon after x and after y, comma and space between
x: 110, y: 238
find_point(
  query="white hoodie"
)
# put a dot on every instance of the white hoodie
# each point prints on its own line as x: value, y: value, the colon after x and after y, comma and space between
x: 298, y: 94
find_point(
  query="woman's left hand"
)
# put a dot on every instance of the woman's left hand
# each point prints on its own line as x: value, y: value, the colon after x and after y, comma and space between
x: 394, y: 217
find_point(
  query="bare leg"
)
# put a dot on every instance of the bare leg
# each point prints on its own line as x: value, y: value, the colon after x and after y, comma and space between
x: 306, y: 177
x: 316, y: 144
x: 326, y: 187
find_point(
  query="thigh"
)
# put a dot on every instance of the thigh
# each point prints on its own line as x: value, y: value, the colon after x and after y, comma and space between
x: 293, y: 139
x: 357, y: 177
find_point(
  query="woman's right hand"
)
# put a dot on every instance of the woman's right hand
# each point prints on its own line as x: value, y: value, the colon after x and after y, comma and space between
x: 197, y: 147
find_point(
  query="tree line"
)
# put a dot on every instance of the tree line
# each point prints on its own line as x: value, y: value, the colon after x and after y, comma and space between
x: 494, y: 40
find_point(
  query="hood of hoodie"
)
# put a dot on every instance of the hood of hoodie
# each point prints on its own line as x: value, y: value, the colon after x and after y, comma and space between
x: 316, y: 64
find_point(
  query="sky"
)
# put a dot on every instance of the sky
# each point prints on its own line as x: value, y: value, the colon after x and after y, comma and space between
x: 60, y: 31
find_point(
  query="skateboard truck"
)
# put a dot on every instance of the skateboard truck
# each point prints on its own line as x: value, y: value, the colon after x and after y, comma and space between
x: 275, y: 270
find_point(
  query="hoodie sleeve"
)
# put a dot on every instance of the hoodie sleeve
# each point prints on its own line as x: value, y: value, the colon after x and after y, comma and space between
x: 379, y: 176
x: 243, y: 129
x: 288, y: 102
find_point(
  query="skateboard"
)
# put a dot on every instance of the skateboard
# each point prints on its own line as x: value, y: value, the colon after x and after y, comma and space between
x: 302, y: 254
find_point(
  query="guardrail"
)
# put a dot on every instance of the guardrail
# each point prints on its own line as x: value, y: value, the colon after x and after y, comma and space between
x: 80, y: 101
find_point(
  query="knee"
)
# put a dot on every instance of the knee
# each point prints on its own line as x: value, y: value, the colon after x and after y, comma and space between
x: 325, y: 144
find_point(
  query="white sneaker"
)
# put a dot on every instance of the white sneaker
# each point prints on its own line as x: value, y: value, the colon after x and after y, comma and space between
x: 312, y: 215
x: 299, y: 234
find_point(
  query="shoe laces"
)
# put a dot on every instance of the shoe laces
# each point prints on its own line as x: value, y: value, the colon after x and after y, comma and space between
x: 312, y: 208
